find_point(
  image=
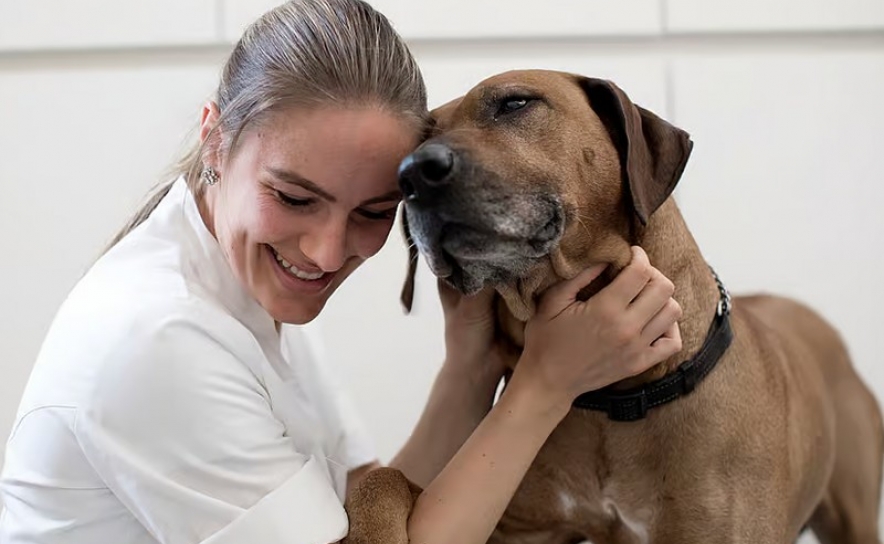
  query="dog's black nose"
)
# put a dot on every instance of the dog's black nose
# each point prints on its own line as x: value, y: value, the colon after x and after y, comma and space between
x: 425, y: 171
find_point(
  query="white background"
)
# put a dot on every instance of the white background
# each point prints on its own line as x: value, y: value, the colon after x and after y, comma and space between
x: 783, y: 192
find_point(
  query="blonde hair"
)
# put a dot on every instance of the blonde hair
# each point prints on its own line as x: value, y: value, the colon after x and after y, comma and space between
x: 304, y: 53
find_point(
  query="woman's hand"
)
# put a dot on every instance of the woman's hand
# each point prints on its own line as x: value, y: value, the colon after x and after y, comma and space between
x: 626, y: 328
x: 470, y: 328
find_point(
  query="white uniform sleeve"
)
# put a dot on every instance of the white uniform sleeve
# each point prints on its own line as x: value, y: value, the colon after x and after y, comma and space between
x: 353, y: 447
x: 183, y: 434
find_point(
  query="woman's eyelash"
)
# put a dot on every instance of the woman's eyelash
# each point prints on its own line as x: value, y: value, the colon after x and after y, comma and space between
x: 292, y: 201
x: 389, y: 214
x: 304, y: 202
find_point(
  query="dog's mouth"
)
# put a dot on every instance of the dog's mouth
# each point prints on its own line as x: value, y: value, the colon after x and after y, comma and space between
x: 476, y: 226
x: 484, y: 243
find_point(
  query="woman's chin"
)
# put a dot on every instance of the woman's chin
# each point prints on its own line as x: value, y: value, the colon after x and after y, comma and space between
x: 285, y: 307
x: 295, y: 314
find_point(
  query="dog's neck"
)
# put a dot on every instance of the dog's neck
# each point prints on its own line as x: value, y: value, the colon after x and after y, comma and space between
x: 671, y: 249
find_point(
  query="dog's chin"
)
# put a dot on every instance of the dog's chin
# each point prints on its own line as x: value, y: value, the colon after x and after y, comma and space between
x: 463, y: 278
x: 474, y: 250
x: 470, y: 260
x: 466, y: 281
x: 468, y: 276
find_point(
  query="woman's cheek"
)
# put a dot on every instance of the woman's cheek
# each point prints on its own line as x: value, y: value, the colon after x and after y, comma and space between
x: 374, y: 237
x: 273, y: 222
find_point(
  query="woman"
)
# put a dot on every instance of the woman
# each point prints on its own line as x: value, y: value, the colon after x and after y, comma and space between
x: 175, y: 398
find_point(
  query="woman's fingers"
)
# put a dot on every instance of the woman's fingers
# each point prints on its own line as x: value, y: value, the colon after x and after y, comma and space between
x: 661, y: 323
x: 629, y: 282
x: 666, y: 346
x: 653, y: 297
x: 563, y: 294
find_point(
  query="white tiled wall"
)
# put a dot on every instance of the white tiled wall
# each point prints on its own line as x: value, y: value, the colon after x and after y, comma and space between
x: 783, y: 99
x: 456, y: 19
x: 484, y: 19
x: 236, y: 15
x: 774, y: 15
x: 61, y: 24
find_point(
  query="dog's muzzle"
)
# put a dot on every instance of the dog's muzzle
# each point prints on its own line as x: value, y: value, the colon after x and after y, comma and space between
x: 472, y: 226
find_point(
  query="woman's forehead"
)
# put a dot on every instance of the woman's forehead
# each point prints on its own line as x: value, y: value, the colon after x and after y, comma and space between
x: 356, y: 152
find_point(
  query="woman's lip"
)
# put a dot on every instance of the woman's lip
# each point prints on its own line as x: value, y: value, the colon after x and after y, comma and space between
x: 293, y: 283
x: 306, y: 269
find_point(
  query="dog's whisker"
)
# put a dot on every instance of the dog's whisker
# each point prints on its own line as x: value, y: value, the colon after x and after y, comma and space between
x: 582, y: 224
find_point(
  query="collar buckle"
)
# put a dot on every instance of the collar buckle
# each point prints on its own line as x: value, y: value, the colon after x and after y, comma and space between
x: 724, y: 300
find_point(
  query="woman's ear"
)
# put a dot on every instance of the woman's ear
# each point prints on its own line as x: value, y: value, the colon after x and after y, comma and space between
x: 210, y: 134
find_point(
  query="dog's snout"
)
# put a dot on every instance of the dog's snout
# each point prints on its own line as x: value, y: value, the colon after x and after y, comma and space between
x: 426, y: 170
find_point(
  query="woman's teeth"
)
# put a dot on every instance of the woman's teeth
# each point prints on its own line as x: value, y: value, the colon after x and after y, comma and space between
x: 294, y: 271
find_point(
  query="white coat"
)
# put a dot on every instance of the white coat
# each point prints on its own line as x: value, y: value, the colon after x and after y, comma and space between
x: 164, y: 407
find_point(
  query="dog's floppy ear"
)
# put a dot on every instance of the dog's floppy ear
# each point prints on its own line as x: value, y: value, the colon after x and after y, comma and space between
x: 407, y: 295
x: 653, y: 153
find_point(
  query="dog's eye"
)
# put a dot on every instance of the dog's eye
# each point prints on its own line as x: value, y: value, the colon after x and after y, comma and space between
x: 509, y: 105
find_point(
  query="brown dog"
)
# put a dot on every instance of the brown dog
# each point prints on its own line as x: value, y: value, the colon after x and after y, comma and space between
x: 533, y: 176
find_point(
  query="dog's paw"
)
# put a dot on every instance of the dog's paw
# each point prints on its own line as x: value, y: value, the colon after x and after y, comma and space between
x: 378, y: 508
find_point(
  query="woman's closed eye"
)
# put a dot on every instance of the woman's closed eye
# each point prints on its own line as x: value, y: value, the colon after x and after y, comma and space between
x: 378, y: 215
x: 294, y: 201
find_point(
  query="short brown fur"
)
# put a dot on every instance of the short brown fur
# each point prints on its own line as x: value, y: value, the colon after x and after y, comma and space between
x: 781, y: 434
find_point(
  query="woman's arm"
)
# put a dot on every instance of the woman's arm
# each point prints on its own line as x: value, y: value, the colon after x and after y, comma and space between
x: 571, y: 347
x: 458, y: 402
x: 459, y: 399
x: 464, y: 389
x: 465, y: 501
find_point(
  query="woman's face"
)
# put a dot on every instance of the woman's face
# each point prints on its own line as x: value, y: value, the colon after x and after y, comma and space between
x: 305, y: 198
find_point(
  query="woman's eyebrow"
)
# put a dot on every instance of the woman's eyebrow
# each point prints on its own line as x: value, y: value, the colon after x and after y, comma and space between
x: 296, y: 179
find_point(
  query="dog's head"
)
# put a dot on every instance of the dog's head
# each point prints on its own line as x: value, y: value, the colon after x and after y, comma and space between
x: 533, y: 176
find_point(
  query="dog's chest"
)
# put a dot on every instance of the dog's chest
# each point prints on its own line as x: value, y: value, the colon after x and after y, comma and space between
x: 602, y: 522
x: 591, y: 482
x: 610, y: 522
x: 554, y: 505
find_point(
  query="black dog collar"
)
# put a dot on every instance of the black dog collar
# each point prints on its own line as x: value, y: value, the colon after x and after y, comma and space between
x: 633, y: 404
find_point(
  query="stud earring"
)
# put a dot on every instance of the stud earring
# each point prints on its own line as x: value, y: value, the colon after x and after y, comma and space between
x: 209, y: 176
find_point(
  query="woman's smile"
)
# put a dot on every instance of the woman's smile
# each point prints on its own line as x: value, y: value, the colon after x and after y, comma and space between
x: 294, y: 279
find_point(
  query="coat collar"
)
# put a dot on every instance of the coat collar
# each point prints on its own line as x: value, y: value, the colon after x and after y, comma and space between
x: 207, y: 269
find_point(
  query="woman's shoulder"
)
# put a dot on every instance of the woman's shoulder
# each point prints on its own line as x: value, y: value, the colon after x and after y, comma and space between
x: 105, y: 334
x: 129, y: 318
x: 122, y: 301
x: 157, y: 278
x: 141, y: 310
x: 145, y: 284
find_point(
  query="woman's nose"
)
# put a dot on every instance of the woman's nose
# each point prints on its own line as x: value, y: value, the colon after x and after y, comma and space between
x: 327, y: 247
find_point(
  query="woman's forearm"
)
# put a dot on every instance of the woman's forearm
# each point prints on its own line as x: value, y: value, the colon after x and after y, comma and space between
x: 465, y: 501
x: 457, y: 404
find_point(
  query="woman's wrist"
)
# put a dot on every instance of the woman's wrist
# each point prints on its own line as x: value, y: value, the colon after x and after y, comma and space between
x: 481, y: 364
x: 535, y: 393
x: 479, y: 378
